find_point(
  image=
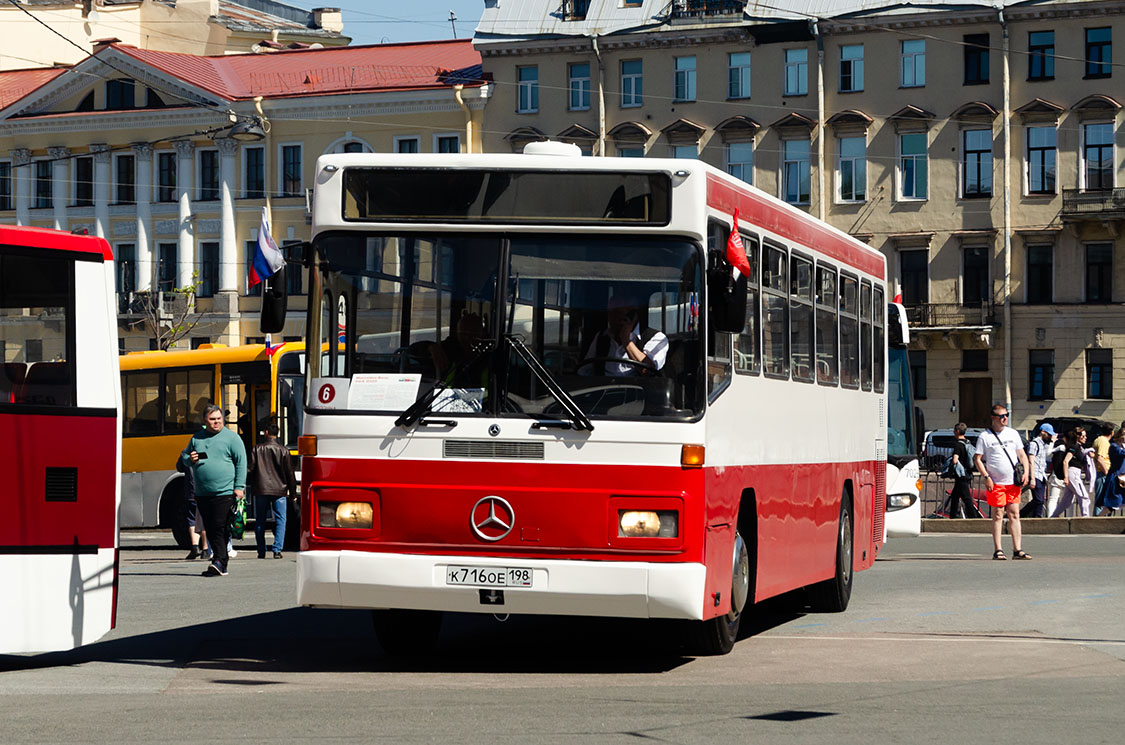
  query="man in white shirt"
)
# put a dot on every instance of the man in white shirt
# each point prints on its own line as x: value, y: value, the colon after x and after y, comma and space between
x: 641, y: 350
x: 999, y: 448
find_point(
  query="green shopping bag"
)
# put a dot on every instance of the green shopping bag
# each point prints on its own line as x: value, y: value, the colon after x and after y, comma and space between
x: 238, y: 518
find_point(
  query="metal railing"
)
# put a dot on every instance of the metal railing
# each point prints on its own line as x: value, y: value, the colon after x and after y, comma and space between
x: 936, y: 494
x: 1096, y: 202
x: 927, y: 315
x: 701, y: 8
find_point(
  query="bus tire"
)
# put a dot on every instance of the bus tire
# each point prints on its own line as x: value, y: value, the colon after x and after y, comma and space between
x: 717, y: 635
x: 173, y: 512
x: 405, y: 633
x: 832, y: 595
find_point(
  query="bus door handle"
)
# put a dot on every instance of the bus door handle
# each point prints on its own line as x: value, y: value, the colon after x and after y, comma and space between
x: 553, y: 424
x: 438, y: 422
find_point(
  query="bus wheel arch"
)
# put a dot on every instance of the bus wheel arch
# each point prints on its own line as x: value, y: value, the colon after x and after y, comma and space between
x: 172, y: 510
x: 832, y: 595
x: 717, y: 635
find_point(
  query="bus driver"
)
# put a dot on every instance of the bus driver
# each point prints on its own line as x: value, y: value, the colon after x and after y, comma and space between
x: 642, y: 350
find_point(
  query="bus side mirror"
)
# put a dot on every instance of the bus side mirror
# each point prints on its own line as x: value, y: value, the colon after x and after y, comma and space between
x: 898, y: 325
x: 726, y: 298
x: 274, y: 297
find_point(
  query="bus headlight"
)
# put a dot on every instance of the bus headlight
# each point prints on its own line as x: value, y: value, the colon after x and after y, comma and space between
x: 647, y: 524
x: 900, y: 501
x: 345, y: 515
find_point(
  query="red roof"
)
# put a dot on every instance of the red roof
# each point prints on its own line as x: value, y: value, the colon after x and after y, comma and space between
x: 15, y: 84
x: 308, y: 72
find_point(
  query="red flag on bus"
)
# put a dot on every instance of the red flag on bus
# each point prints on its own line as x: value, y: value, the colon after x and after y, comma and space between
x: 736, y: 252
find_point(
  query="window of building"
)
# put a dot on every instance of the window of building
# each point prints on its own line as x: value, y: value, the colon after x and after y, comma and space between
x: 1099, y: 373
x: 166, y: 177
x: 974, y: 360
x: 795, y: 173
x: 914, y: 274
x: 294, y: 281
x: 125, y: 183
x: 775, y: 311
x: 913, y: 170
x: 827, y: 351
x: 740, y: 160
x: 796, y: 72
x: 1099, y: 272
x: 120, y: 95
x: 83, y: 181
x: 975, y: 284
x: 1042, y: 155
x: 291, y: 171
x: 1041, y: 55
x: 851, y: 68
x: 851, y: 169
x: 1040, y: 274
x: 1099, y: 52
x: 527, y: 84
x: 254, y: 172
x: 917, y: 361
x: 801, y: 318
x: 749, y: 356
x: 166, y: 265
x: 407, y: 144
x: 353, y: 147
x: 1041, y: 374
x: 849, y: 331
x: 42, y: 188
x: 1097, y: 156
x: 447, y: 143
x: 5, y: 185
x: 684, y: 151
x: 976, y: 168
x: 913, y: 63
x: 208, y: 175
x: 631, y: 151
x: 579, y: 74
x: 976, y: 59
x: 684, y: 89
x: 738, y: 75
x: 208, y: 269
x: 632, y: 83
x: 125, y: 269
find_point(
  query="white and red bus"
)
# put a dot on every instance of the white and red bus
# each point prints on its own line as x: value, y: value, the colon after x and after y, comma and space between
x: 512, y: 468
x: 60, y: 429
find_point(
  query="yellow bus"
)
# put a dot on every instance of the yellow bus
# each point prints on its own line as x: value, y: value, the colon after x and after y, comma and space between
x: 163, y: 397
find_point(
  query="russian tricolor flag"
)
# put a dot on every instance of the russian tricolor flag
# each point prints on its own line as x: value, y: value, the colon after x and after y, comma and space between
x: 267, y: 257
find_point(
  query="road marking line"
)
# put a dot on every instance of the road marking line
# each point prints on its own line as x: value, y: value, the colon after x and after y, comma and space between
x: 951, y: 637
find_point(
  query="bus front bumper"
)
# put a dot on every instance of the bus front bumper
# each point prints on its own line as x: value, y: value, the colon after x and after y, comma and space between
x: 623, y: 589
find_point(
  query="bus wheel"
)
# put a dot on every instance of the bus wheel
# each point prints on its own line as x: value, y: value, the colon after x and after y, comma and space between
x: 717, y: 635
x: 173, y: 513
x: 403, y: 633
x: 832, y: 595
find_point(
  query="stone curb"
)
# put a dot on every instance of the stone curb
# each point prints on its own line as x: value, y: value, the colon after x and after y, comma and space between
x: 1033, y: 525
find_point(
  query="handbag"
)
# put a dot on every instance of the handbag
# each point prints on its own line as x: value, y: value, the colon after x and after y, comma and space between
x: 238, y: 519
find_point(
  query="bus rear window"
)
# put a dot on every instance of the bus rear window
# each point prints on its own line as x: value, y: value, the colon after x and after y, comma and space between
x: 506, y: 196
x: 36, y: 330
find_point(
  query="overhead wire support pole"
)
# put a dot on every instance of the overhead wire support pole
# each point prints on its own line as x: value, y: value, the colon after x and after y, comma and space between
x: 453, y: 22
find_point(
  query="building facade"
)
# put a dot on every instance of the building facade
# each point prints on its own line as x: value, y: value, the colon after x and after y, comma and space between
x: 137, y: 146
x: 978, y: 145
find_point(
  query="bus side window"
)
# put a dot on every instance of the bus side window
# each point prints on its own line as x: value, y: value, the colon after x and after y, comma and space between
x: 849, y: 331
x: 38, y: 357
x: 865, y: 335
x: 775, y: 312
x: 748, y: 353
x: 879, y: 306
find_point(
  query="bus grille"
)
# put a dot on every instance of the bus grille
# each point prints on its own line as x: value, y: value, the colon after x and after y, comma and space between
x: 61, y: 485
x: 879, y: 509
x: 497, y: 449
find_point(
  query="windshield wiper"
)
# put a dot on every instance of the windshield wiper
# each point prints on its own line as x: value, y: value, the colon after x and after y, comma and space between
x: 421, y: 407
x: 578, y: 418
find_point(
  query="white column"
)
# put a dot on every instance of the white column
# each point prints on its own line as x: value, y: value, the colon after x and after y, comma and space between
x: 185, y: 252
x: 60, y: 169
x: 228, y: 243
x: 102, y: 161
x: 146, y: 267
x: 21, y: 174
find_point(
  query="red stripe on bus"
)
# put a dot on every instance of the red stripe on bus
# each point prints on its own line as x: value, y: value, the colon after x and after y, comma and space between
x: 754, y: 210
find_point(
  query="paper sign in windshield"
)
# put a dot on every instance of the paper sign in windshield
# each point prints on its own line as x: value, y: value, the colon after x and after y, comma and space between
x: 383, y: 391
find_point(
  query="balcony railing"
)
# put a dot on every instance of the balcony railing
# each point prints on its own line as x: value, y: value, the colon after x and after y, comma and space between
x: 1097, y: 203
x: 950, y: 315
x: 701, y: 8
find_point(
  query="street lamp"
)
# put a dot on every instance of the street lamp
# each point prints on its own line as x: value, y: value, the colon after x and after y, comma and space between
x: 248, y: 130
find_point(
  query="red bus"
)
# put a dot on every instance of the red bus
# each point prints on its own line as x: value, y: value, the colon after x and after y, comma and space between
x: 60, y: 402
x: 476, y: 441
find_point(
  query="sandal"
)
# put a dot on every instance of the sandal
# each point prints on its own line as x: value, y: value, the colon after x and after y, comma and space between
x: 1022, y: 555
x: 998, y: 555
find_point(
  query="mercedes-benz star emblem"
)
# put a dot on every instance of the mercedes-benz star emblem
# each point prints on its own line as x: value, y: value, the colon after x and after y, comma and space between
x: 492, y: 518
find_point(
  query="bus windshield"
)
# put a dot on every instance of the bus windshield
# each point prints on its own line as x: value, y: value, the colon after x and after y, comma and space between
x: 901, y: 437
x: 450, y: 310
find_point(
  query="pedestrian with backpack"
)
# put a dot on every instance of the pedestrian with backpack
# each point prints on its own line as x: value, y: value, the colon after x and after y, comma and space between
x: 961, y: 465
x: 1037, y: 455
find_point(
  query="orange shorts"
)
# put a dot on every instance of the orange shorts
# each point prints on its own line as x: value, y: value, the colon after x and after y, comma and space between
x: 1001, y: 495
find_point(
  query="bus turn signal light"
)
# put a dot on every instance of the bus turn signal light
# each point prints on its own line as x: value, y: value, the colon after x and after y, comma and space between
x: 691, y: 456
x: 306, y: 445
x: 345, y: 514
